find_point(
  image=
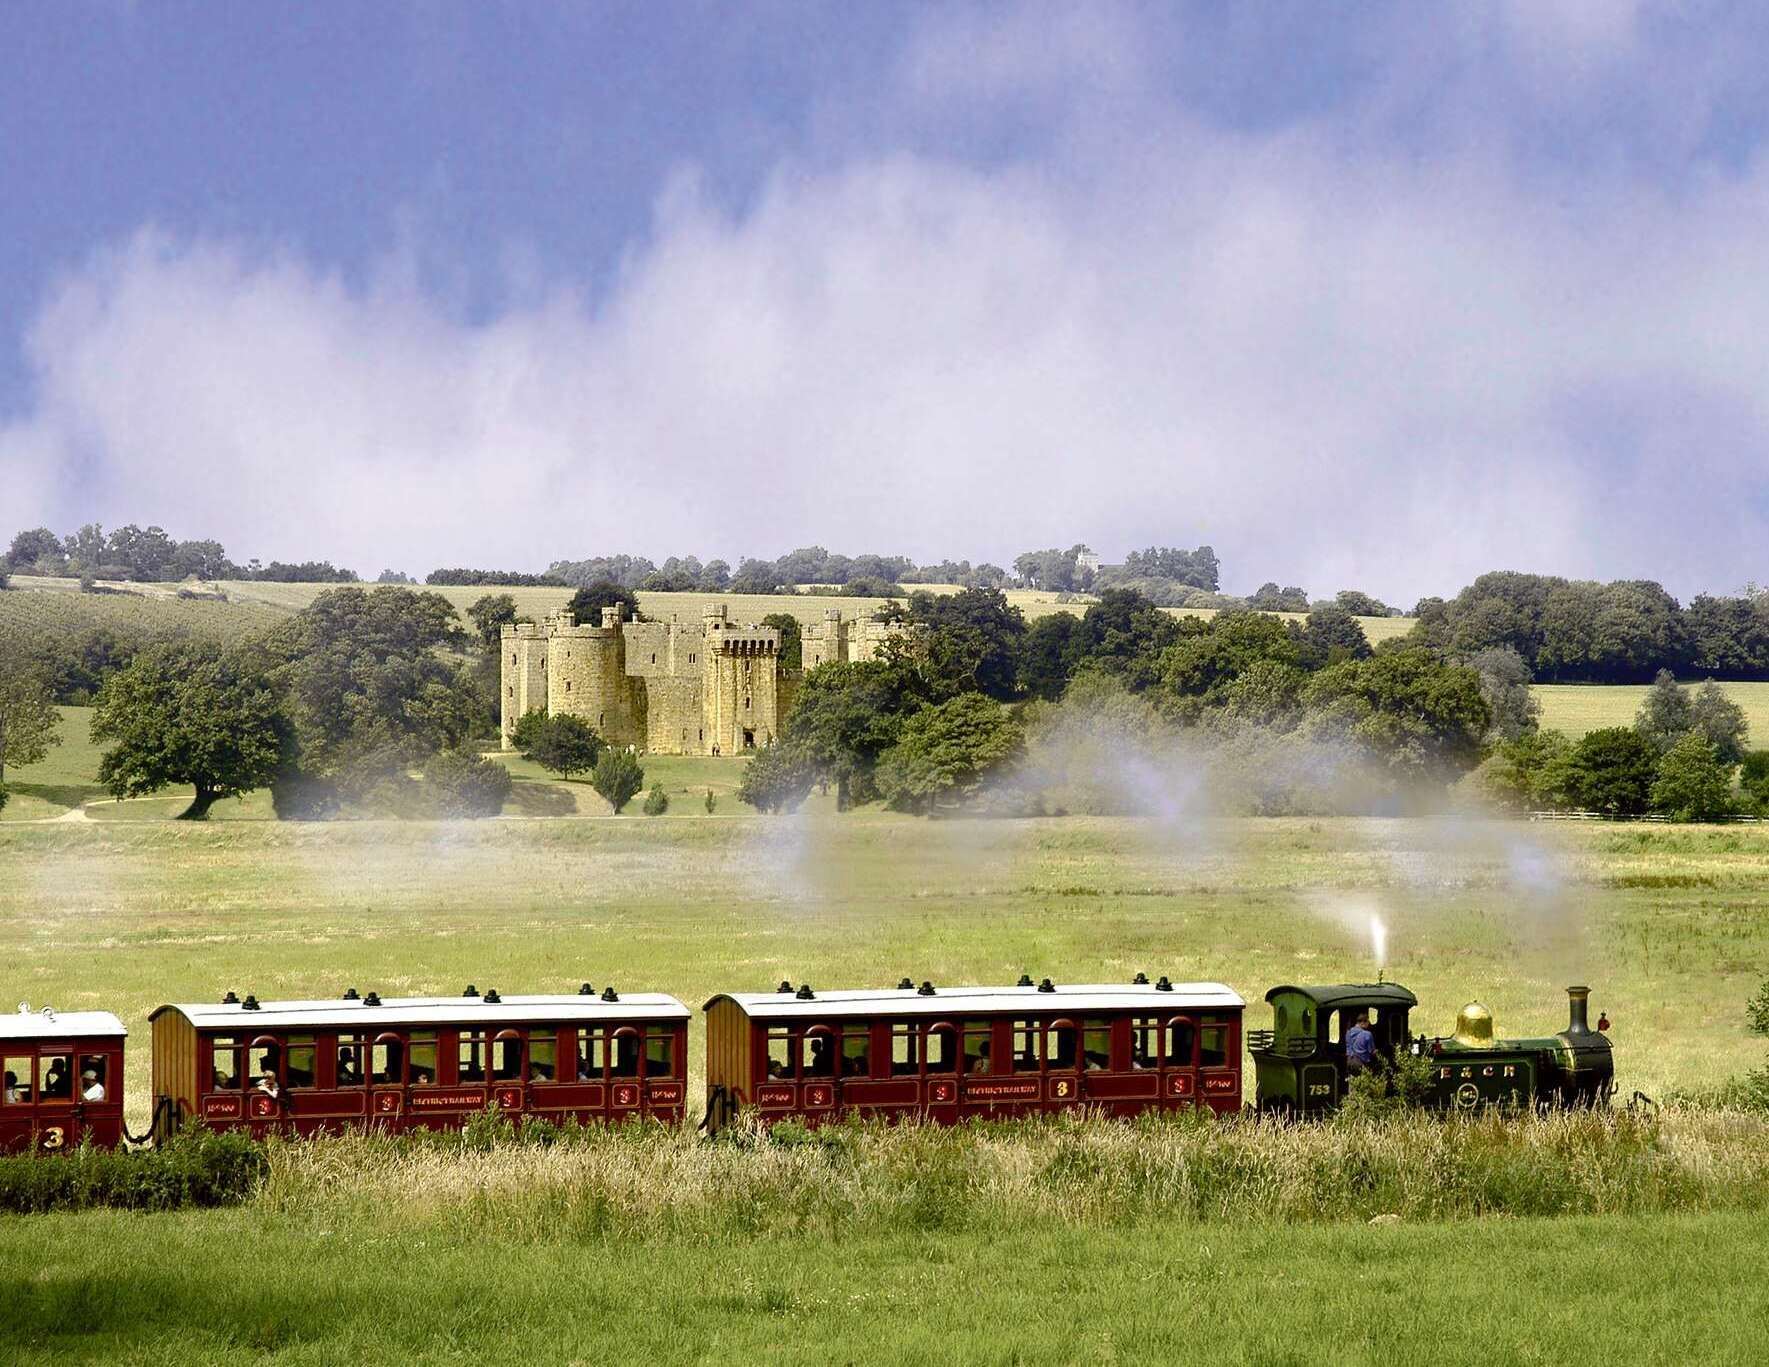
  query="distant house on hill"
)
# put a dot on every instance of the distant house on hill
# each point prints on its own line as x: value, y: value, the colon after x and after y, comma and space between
x: 1086, y: 559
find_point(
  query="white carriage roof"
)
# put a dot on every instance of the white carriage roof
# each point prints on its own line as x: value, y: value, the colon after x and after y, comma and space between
x: 959, y: 1001
x: 51, y: 1024
x: 340, y: 1014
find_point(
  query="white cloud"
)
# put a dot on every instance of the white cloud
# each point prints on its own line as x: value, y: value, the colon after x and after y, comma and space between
x: 1383, y: 372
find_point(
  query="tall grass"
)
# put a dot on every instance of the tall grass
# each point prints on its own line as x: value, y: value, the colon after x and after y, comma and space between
x: 641, y: 1182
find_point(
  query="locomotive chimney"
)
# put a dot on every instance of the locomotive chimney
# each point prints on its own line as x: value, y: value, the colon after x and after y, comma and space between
x: 1578, y: 999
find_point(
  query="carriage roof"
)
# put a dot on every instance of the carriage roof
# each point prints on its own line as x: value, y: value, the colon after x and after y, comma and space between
x: 351, y: 1014
x: 958, y: 1001
x: 1334, y: 995
x: 52, y: 1024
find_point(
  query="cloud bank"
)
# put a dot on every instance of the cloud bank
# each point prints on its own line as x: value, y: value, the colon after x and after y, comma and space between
x: 1340, y: 362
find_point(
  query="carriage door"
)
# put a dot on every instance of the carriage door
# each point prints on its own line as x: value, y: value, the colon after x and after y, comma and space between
x: 17, y: 1102
x: 387, y: 1082
x: 820, y: 1054
x: 939, y: 1061
x: 509, y: 1071
x: 1179, y: 1062
x: 624, y: 1047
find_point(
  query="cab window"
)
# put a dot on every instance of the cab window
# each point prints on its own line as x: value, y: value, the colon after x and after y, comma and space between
x: 939, y: 1050
x: 592, y: 1055
x: 1025, y: 1046
x: 1145, y: 1042
x: 506, y: 1058
x: 421, y: 1053
x: 1059, y: 1048
x: 817, y: 1055
x: 387, y: 1062
x: 625, y: 1060
x: 1181, y: 1042
x: 857, y: 1051
x: 265, y: 1060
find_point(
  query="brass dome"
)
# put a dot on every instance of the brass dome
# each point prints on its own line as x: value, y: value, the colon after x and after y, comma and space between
x: 1474, y: 1026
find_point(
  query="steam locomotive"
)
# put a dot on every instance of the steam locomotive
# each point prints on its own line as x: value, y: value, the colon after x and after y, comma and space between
x: 943, y: 1054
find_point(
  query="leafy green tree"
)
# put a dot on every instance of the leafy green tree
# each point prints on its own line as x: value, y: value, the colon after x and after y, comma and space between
x: 564, y: 745
x: 617, y: 777
x: 1266, y: 693
x: 1692, y: 784
x: 1420, y: 717
x: 792, y: 638
x: 1361, y: 604
x: 3, y: 796
x: 1332, y: 634
x: 1197, y: 670
x: 946, y: 752
x: 1525, y: 772
x: 776, y: 779
x: 38, y: 549
x: 190, y: 715
x: 465, y: 786
x: 968, y: 640
x: 1611, y: 770
x: 587, y: 603
x: 1753, y: 778
x: 657, y: 802
x: 1053, y: 647
x: 528, y: 728
x: 29, y: 723
x: 489, y: 613
x: 1504, y: 685
x: 1268, y: 597
x: 1720, y: 721
x: 1666, y: 713
x: 845, y: 716
x: 1124, y: 633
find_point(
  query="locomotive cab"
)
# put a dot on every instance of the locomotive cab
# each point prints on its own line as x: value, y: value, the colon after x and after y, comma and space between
x: 1300, y: 1061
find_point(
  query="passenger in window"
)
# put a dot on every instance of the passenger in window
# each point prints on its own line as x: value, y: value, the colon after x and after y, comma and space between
x: 91, y: 1089
x: 56, y: 1082
x: 422, y: 1077
x: 626, y: 1056
x: 822, y: 1063
x: 349, y: 1075
x: 980, y: 1063
x: 267, y: 1086
x: 12, y: 1095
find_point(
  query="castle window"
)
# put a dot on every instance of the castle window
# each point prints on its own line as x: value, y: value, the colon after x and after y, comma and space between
x: 691, y: 659
x: 601, y: 719
x: 654, y: 657
x: 703, y: 733
x: 512, y: 659
x: 746, y: 704
x: 568, y: 685
x: 512, y: 690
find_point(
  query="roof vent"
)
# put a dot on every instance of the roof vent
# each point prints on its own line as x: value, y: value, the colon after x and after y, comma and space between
x: 784, y: 986
x: 1047, y: 986
x: 804, y: 993
x: 1162, y: 984
x: 609, y: 994
x: 250, y: 1003
x: 925, y: 990
x: 231, y: 999
x: 373, y: 999
x: 469, y: 991
x: 1025, y: 980
x: 1140, y: 980
x: 352, y: 995
x: 906, y: 984
x: 491, y: 996
x: 586, y: 991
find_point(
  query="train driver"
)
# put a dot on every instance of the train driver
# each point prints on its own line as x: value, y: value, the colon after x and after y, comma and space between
x: 1360, y: 1045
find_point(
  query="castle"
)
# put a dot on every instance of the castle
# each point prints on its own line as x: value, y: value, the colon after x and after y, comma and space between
x: 666, y: 687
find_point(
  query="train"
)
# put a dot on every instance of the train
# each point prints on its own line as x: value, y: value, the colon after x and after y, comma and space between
x: 936, y: 1053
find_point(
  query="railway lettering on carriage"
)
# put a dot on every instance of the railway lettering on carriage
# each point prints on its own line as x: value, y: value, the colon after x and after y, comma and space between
x: 445, y: 1101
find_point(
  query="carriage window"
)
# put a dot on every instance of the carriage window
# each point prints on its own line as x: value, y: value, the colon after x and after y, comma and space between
x: 94, y: 1077
x: 472, y: 1056
x: 592, y: 1055
x: 543, y: 1052
x: 905, y: 1058
x: 625, y: 1060
x: 350, y: 1072
x: 939, y: 1051
x: 301, y: 1054
x: 1025, y: 1046
x: 226, y: 1076
x: 58, y: 1077
x: 817, y: 1055
x: 265, y: 1060
x: 976, y: 1046
x: 422, y: 1056
x: 779, y: 1054
x: 1096, y: 1045
x: 506, y: 1058
x: 857, y: 1051
x: 1180, y: 1039
x: 387, y: 1062
x: 1059, y: 1047
x: 1213, y: 1046
x: 1145, y: 1042
x: 660, y: 1054
x: 18, y: 1080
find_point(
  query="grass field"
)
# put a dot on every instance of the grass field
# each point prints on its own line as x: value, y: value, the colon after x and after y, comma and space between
x: 1578, y: 708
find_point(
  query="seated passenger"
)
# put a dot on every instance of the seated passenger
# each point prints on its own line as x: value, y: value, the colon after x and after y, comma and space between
x: 12, y: 1093
x: 980, y: 1064
x: 822, y: 1062
x: 853, y: 1066
x: 91, y: 1088
x: 583, y: 1069
x: 776, y: 1069
x: 267, y: 1086
x: 422, y: 1077
x: 539, y: 1072
x: 55, y: 1081
x: 1360, y: 1045
x: 347, y: 1073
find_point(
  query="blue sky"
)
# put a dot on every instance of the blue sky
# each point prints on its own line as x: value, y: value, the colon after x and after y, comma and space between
x: 1363, y: 295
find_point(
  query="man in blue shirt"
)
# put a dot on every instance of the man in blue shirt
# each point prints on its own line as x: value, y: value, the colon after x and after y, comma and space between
x: 1360, y: 1045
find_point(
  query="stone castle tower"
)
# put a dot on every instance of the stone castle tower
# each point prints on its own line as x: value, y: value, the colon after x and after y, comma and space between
x: 834, y: 641
x: 664, y: 687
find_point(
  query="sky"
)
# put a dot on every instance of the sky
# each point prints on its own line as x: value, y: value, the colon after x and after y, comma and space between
x: 1362, y: 295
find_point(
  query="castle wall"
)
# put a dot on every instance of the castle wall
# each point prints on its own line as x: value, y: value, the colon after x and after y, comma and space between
x: 835, y: 641
x: 522, y: 674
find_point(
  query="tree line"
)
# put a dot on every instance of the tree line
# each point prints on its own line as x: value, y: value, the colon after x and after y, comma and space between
x: 148, y: 555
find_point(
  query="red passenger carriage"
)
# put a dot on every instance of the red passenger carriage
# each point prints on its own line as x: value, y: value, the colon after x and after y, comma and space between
x: 401, y: 1063
x: 949, y: 1054
x: 63, y: 1080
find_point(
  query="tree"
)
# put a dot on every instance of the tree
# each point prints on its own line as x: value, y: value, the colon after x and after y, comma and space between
x: 1420, y: 717
x: 947, y: 752
x: 1612, y: 771
x: 564, y: 745
x: 1361, y: 604
x: 463, y: 785
x: 489, y: 614
x: 1198, y: 669
x: 1753, y: 777
x: 29, y: 723
x: 188, y: 714
x: 792, y: 634
x: 587, y: 603
x: 527, y: 730
x: 1332, y: 634
x: 968, y: 640
x: 1268, y: 597
x: 657, y: 802
x: 776, y: 779
x: 845, y: 716
x: 1665, y: 714
x: 1504, y: 685
x: 1719, y: 721
x: 1692, y: 784
x: 617, y: 777
x: 1525, y: 772
x: 37, y: 549
x: 1052, y: 649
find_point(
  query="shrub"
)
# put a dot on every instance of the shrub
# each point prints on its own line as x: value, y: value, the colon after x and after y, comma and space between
x: 617, y: 777
x: 711, y: 801
x: 657, y: 802
x: 462, y: 785
x: 4, y: 795
x: 564, y: 745
x: 196, y: 1168
x: 297, y: 796
x: 1692, y: 784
